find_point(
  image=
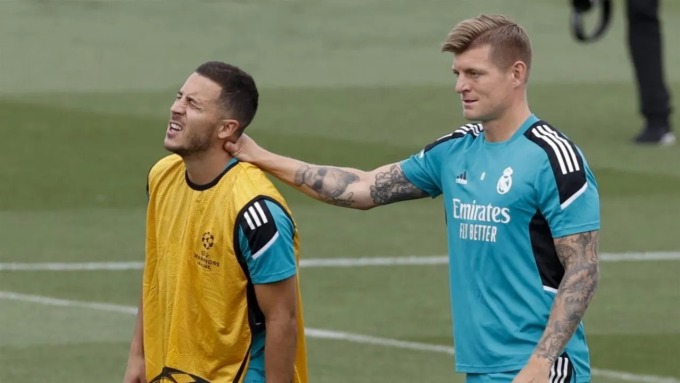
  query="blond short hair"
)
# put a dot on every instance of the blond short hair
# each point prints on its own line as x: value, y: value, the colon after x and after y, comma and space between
x: 508, y: 40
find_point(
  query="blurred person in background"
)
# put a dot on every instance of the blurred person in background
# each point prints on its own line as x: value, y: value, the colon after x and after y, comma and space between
x: 522, y: 213
x: 645, y: 46
x: 220, y: 299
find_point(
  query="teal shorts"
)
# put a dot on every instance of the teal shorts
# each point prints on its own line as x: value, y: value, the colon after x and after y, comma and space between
x: 507, y: 377
x: 561, y: 372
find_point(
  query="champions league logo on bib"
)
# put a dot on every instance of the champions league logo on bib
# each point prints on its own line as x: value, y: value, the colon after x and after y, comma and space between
x: 505, y: 182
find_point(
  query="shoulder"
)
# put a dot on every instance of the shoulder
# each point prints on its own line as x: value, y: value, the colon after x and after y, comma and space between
x: 562, y: 161
x: 253, y: 185
x: 542, y: 133
x: 168, y: 162
x: 263, y: 208
x: 555, y: 147
x: 165, y: 165
x: 253, y: 181
x: 263, y: 218
x: 253, y: 177
x: 463, y: 134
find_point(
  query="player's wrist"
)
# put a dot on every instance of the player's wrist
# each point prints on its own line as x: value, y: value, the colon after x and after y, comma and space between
x: 263, y: 157
x: 542, y: 360
x: 136, y: 350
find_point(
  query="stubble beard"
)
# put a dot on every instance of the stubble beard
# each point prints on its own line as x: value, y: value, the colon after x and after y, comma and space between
x: 195, y: 146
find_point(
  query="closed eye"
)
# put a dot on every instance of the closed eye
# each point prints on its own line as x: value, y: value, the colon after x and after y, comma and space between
x: 190, y: 100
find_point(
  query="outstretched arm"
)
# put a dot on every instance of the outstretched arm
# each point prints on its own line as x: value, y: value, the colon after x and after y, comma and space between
x: 351, y: 187
x: 339, y: 186
x: 578, y: 254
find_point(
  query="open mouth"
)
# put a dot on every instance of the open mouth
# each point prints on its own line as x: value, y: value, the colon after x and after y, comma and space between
x: 175, y: 127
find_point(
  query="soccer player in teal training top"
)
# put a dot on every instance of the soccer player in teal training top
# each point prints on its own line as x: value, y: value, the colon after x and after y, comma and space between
x: 522, y: 213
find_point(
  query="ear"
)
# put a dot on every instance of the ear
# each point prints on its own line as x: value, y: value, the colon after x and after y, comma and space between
x: 228, y: 128
x: 519, y: 73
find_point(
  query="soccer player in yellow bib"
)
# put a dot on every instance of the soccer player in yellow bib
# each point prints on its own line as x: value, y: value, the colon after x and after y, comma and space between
x: 221, y: 299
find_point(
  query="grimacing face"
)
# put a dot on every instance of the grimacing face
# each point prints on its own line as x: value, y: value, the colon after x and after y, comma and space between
x: 195, y: 116
x: 485, y: 88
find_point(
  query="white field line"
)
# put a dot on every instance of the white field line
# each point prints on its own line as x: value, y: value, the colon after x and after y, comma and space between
x: 373, y: 340
x: 323, y: 334
x: 8, y: 295
x: 70, y: 266
x: 320, y: 262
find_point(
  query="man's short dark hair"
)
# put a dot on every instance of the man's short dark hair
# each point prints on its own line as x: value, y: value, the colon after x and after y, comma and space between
x: 239, y: 96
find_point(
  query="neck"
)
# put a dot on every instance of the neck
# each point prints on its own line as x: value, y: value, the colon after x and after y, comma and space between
x: 202, y: 168
x: 503, y: 127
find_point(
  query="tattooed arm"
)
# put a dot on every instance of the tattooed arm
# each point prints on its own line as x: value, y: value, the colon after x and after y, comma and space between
x: 338, y: 186
x: 578, y: 254
x: 355, y: 188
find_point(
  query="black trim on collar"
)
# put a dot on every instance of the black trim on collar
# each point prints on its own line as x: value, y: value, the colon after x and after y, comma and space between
x: 210, y: 184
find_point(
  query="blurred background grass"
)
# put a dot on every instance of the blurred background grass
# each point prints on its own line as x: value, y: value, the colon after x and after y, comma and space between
x: 85, y: 88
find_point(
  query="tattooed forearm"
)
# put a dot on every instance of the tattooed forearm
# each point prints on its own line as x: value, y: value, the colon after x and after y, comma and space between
x: 392, y: 186
x: 328, y: 182
x: 355, y: 188
x: 578, y: 254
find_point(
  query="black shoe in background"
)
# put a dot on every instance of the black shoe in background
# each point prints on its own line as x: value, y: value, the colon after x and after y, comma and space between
x: 655, y: 136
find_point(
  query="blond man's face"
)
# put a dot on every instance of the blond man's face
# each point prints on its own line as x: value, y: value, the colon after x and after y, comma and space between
x: 485, y: 88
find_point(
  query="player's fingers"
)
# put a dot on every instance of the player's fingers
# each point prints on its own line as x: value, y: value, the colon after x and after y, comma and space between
x: 231, y: 148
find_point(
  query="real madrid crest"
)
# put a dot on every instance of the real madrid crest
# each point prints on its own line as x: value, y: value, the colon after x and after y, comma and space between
x: 505, y: 182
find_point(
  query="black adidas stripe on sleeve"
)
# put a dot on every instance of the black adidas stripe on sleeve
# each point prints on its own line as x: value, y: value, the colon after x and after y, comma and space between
x: 565, y: 159
x: 471, y: 129
x: 258, y: 225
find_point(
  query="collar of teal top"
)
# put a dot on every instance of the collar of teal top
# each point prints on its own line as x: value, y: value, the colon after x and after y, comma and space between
x: 522, y: 128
